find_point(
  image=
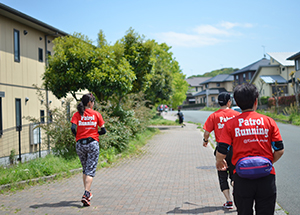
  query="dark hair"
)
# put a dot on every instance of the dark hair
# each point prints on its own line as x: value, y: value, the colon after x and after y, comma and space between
x: 245, y: 95
x: 84, y: 101
x: 223, y: 98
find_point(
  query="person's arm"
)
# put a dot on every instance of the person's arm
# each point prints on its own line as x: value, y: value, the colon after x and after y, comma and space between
x: 221, y: 163
x: 205, y: 138
x: 278, y: 150
x: 221, y: 153
x: 102, y: 131
x: 277, y: 155
x: 73, y: 129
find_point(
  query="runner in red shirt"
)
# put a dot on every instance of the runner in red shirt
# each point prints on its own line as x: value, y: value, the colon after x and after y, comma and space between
x: 251, y: 134
x: 215, y: 122
x: 87, y: 121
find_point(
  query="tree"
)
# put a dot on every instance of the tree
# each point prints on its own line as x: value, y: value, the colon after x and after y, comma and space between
x: 111, y: 74
x: 77, y: 65
x: 138, y: 52
x: 68, y: 67
x: 160, y: 86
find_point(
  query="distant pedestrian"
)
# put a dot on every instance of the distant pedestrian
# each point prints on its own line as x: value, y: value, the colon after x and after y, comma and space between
x: 256, y: 145
x: 85, y: 123
x: 180, y: 118
x: 215, y: 122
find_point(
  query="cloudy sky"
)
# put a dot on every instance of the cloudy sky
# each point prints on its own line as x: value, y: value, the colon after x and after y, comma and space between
x: 204, y: 35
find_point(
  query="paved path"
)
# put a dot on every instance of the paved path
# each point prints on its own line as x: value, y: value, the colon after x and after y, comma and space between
x: 175, y: 175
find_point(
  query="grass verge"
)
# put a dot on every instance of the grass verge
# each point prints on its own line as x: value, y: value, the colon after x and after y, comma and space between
x: 51, y: 167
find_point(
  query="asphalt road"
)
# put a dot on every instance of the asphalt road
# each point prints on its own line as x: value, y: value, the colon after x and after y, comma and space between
x: 287, y: 169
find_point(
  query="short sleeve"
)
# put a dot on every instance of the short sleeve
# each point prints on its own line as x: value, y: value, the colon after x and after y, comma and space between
x: 100, y: 120
x: 209, y: 124
x: 225, y: 135
x: 75, y: 118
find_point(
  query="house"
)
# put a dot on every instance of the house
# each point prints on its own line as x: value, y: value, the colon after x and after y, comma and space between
x: 195, y: 87
x: 273, y: 79
x: 213, y: 87
x: 245, y: 74
x: 296, y: 59
x: 24, y: 48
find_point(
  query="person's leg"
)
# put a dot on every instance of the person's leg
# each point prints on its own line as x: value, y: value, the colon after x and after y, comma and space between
x: 266, y: 195
x: 223, y: 176
x: 88, y: 183
x: 243, y: 194
x: 80, y: 149
x: 91, y: 164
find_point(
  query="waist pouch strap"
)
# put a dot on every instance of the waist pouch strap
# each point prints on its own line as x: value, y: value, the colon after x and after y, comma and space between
x: 85, y: 140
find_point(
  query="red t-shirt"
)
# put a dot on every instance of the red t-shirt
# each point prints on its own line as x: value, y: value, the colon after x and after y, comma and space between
x: 215, y: 121
x: 87, y: 125
x: 251, y: 134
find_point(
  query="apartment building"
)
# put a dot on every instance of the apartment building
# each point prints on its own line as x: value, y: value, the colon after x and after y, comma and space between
x: 25, y: 44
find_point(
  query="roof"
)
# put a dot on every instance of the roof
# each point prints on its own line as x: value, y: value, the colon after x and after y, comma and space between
x: 212, y: 91
x: 281, y: 57
x: 293, y: 57
x: 254, y: 66
x: 270, y: 79
x: 30, y: 21
x: 219, y: 78
x: 196, y: 81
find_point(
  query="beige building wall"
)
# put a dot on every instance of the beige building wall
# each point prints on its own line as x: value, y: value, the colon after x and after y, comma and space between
x: 17, y: 80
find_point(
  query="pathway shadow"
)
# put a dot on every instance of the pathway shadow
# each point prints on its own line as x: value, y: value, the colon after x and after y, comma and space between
x: 58, y: 204
x: 200, y: 210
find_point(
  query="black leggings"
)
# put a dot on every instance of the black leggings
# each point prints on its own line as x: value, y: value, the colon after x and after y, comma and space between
x: 223, y: 175
x: 262, y: 191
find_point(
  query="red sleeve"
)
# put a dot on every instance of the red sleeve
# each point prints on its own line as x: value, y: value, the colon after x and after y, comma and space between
x: 209, y: 124
x: 100, y: 120
x: 75, y: 118
x: 225, y: 136
x: 276, y: 136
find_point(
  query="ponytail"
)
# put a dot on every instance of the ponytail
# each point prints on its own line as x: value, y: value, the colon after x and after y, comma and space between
x: 86, y: 98
x: 80, y: 108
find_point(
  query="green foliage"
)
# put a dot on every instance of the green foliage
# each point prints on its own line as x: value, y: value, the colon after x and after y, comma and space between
x: 160, y: 86
x: 77, y: 65
x: 37, y: 168
x: 179, y: 84
x: 216, y: 72
x: 159, y: 120
x: 210, y: 109
x: 68, y: 68
x: 264, y: 100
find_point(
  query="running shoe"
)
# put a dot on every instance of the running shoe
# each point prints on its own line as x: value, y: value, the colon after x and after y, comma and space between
x: 228, y: 205
x: 86, y: 198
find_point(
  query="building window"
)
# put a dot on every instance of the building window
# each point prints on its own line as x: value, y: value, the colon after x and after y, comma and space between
x: 1, y: 126
x: 244, y: 77
x: 218, y: 84
x: 196, y: 89
x: 281, y: 90
x: 18, y: 115
x: 42, y: 116
x: 213, y: 99
x: 206, y: 85
x: 16, y: 45
x: 236, y: 77
x: 297, y: 62
x: 40, y: 55
x: 249, y: 76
